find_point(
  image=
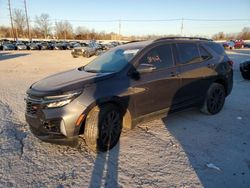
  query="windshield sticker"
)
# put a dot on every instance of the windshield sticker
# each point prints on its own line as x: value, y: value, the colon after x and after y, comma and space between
x: 134, y: 51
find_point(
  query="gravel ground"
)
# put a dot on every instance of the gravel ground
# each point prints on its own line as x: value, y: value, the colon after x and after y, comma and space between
x: 169, y: 152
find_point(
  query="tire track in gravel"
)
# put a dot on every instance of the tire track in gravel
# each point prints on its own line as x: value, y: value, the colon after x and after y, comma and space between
x: 12, y: 135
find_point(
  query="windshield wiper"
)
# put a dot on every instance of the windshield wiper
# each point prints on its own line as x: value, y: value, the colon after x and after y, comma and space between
x: 91, y: 70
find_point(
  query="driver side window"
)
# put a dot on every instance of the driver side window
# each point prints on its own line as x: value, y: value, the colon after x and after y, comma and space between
x: 159, y: 57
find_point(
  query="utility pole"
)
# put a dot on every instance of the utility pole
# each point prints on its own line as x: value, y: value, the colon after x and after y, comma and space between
x: 182, y: 27
x: 11, y: 21
x: 27, y: 21
x: 120, y: 25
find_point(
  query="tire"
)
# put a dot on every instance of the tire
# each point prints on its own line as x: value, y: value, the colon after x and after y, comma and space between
x: 245, y: 75
x: 103, y: 127
x: 87, y: 55
x: 214, y: 100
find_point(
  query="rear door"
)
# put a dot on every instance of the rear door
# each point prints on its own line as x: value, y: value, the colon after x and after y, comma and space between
x: 158, y: 87
x: 196, y: 69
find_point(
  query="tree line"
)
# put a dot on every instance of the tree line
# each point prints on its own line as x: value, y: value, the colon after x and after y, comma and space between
x: 244, y: 34
x: 43, y: 27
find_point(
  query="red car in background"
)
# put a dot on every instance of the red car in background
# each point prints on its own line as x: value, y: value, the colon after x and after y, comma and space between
x: 239, y: 43
x: 232, y: 44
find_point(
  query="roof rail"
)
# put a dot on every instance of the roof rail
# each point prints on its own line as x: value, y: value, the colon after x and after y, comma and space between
x: 191, y: 38
x: 132, y: 41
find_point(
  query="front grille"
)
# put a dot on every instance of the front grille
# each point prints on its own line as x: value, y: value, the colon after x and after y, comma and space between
x: 78, y: 50
x: 32, y: 106
x: 52, y: 125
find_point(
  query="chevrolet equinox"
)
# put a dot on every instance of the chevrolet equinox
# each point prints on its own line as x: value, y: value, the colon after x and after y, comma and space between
x: 127, y: 85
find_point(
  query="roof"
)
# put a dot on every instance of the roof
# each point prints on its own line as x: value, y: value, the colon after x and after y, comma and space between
x: 142, y: 44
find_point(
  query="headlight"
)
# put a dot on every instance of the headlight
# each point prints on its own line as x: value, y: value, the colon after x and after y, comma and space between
x: 60, y: 100
x: 58, y: 104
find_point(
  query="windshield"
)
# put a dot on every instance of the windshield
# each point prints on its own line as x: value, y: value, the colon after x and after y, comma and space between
x: 111, y: 61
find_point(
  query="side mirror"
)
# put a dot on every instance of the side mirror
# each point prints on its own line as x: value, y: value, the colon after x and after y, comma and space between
x: 134, y: 74
x: 145, y: 68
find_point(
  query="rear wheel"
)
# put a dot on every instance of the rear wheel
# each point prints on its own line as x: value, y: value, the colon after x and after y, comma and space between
x: 214, y: 100
x: 103, y: 127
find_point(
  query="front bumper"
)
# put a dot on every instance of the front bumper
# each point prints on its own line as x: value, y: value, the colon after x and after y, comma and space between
x: 57, y: 125
x: 38, y: 128
x: 77, y: 53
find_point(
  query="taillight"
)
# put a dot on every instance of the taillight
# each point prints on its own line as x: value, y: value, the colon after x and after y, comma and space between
x: 231, y: 63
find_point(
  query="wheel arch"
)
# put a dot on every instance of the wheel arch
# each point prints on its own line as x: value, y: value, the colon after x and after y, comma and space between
x: 222, y: 82
x: 117, y: 101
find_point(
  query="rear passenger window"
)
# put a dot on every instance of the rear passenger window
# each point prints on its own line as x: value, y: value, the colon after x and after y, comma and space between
x: 216, y: 47
x: 160, y: 57
x: 188, y: 53
x: 204, y: 54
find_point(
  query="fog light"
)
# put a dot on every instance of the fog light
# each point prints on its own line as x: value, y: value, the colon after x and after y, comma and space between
x: 62, y: 128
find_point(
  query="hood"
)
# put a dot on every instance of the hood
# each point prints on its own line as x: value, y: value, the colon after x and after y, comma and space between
x: 66, y: 81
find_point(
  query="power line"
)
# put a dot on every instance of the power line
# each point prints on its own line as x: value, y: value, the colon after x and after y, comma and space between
x: 216, y: 20
x: 151, y: 20
x: 154, y: 20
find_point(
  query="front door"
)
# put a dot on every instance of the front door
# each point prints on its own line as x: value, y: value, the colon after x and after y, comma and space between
x: 155, y: 90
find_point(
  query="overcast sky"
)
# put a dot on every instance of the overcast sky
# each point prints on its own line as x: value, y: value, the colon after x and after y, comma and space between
x: 80, y: 12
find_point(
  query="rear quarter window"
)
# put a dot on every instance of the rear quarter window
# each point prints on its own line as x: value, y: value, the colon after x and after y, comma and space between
x: 216, y: 48
x: 204, y: 54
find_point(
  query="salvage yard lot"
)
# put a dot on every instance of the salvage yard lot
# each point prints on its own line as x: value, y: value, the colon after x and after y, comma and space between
x: 169, y: 152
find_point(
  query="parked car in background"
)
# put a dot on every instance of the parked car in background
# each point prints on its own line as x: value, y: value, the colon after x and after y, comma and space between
x: 7, y: 46
x: 239, y: 43
x: 62, y: 46
x: 229, y: 45
x: 84, y: 49
x: 32, y: 46
x: 247, y: 45
x: 20, y: 46
x: 245, y: 69
x: 129, y: 84
x: 233, y: 44
x: 44, y: 46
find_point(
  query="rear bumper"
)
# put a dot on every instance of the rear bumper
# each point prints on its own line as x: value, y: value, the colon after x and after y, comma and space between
x: 230, y: 83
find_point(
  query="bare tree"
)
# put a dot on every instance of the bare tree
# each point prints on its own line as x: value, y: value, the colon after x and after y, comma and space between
x: 219, y: 36
x: 81, y: 32
x: 64, y: 30
x: 43, y: 24
x: 245, y: 33
x: 19, y: 20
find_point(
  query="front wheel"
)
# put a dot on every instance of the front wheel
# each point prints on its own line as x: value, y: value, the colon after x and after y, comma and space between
x: 214, y: 100
x: 87, y: 54
x: 103, y: 127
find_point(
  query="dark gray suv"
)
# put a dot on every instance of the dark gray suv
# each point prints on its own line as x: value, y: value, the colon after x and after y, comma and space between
x: 126, y: 85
